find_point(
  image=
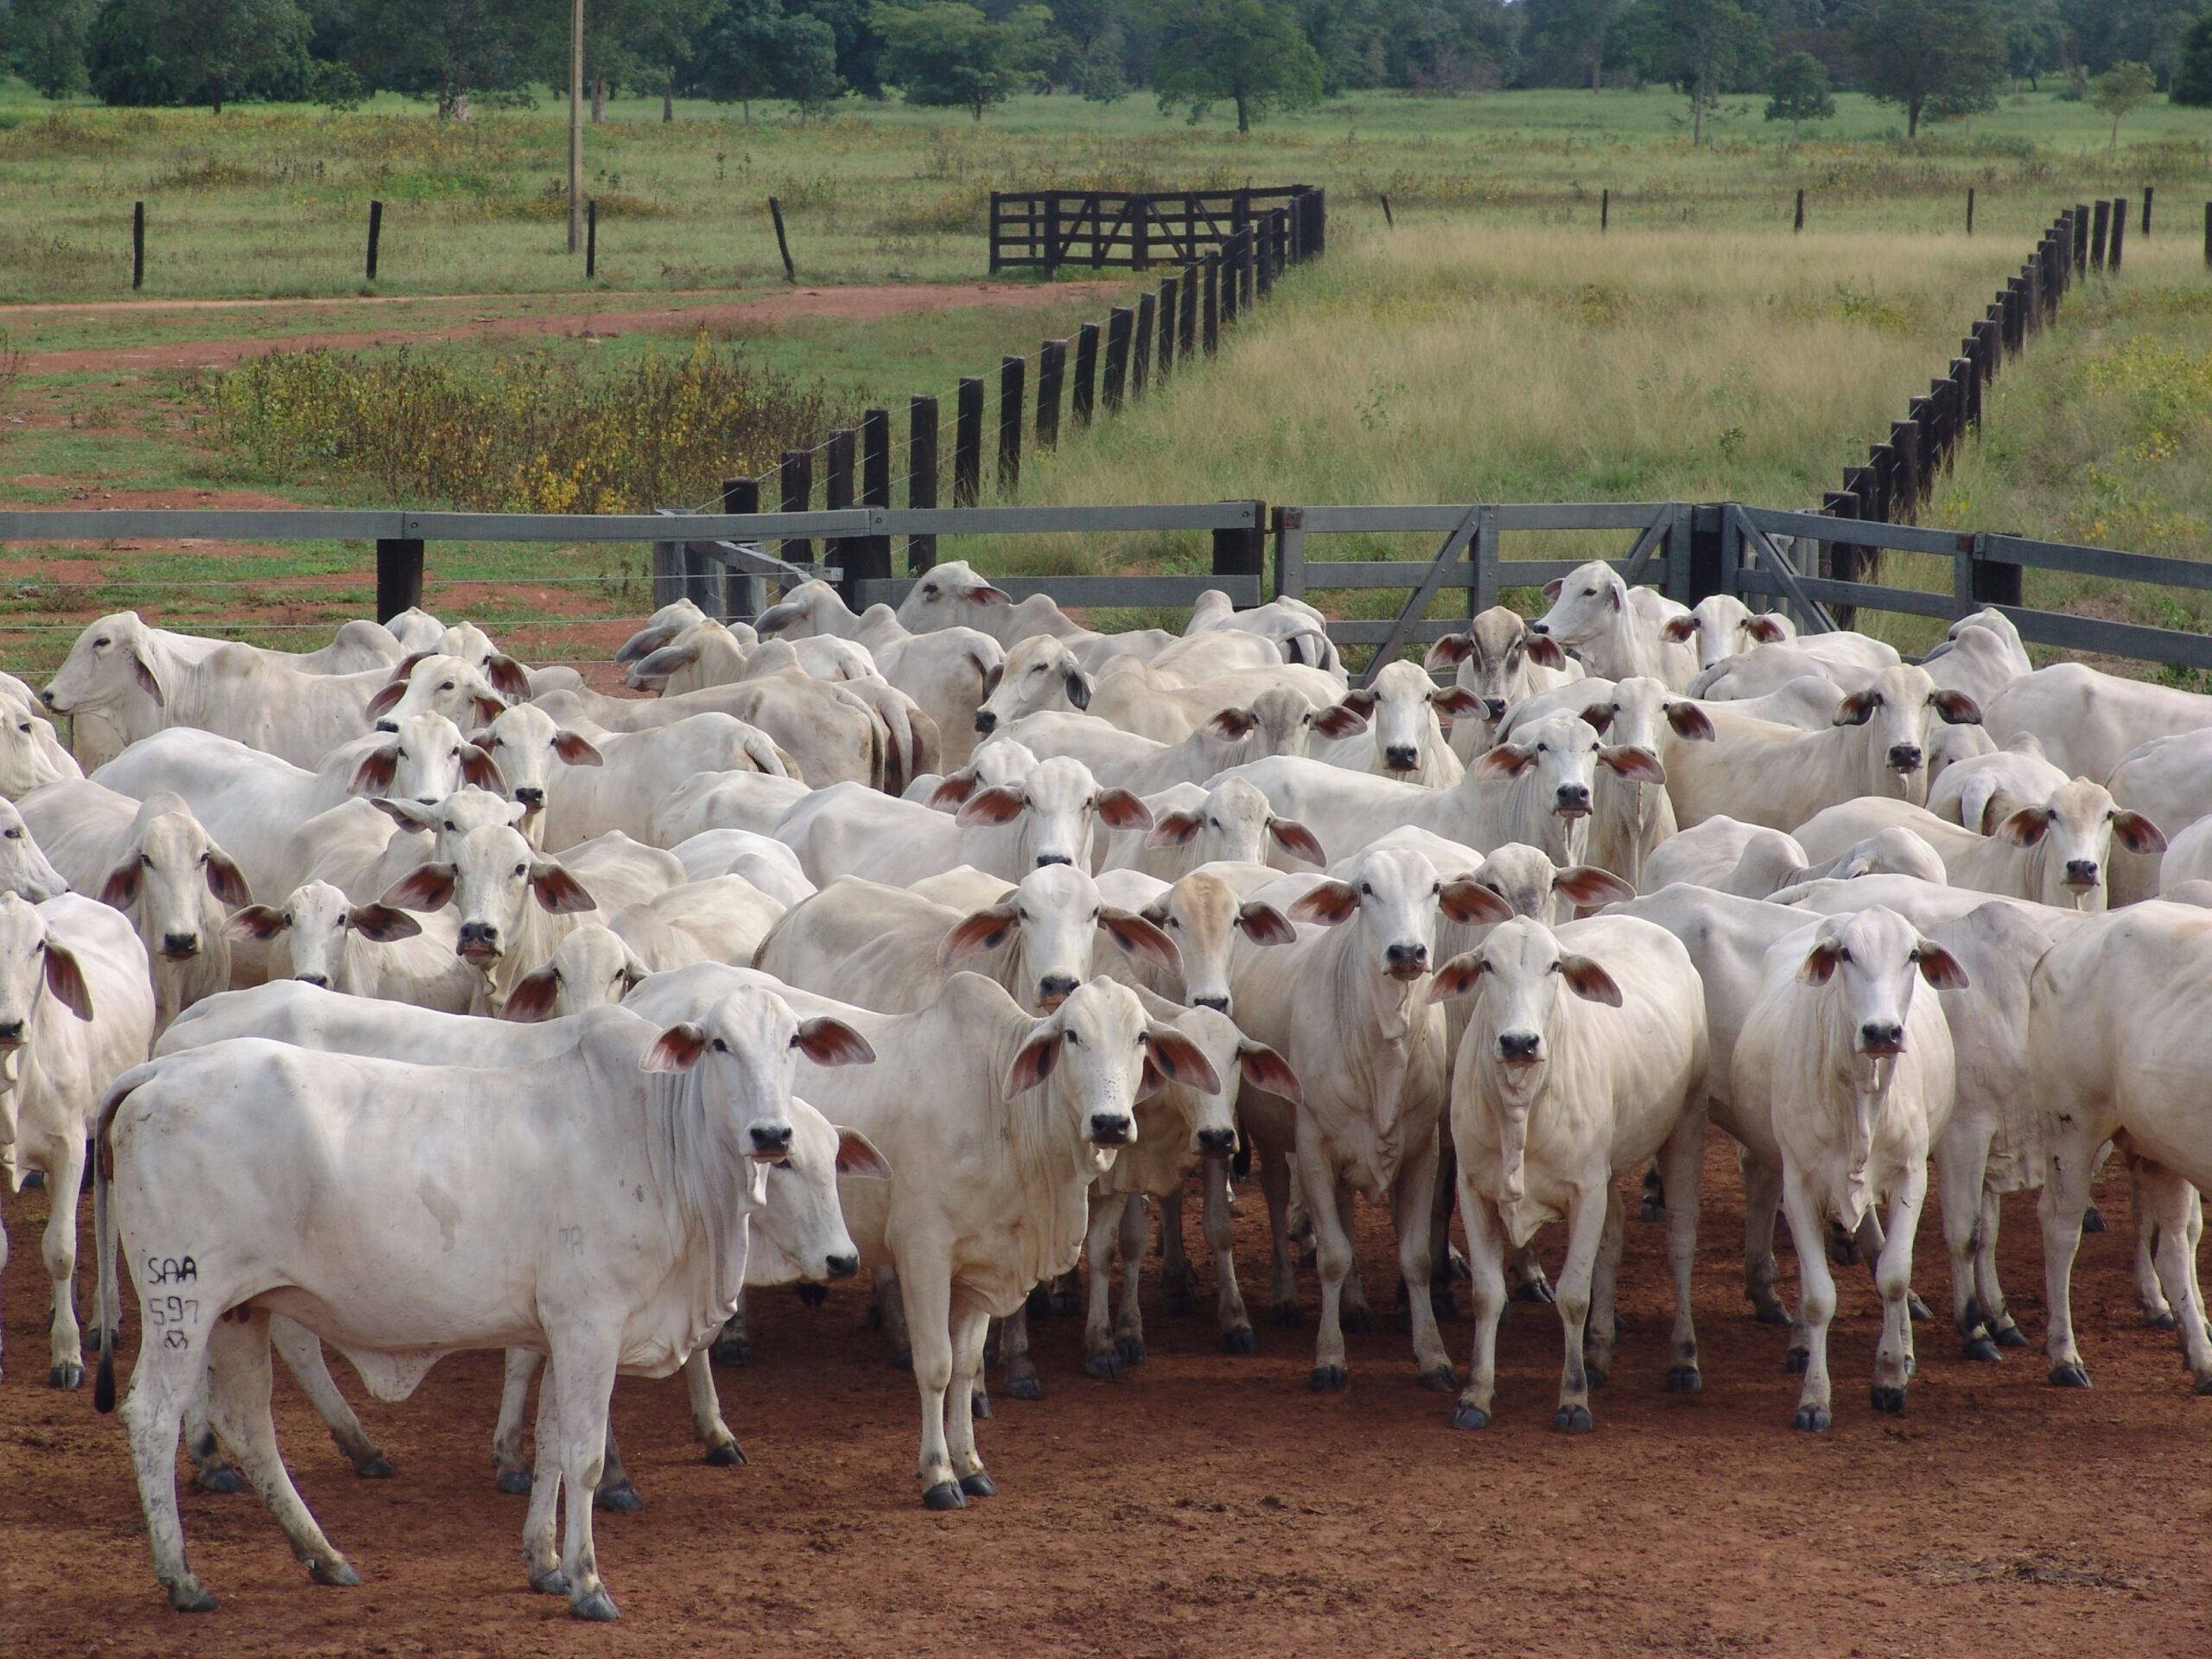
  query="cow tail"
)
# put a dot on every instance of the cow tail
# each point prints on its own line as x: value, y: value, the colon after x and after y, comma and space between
x: 110, y: 1311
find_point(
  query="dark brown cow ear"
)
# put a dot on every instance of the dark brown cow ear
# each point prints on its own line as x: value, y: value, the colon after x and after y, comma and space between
x: 376, y: 770
x: 428, y: 887
x: 534, y: 997
x: 558, y: 891
x: 1589, y: 982
x: 382, y: 923
x: 832, y: 1042
x: 261, y: 922
x: 1034, y: 1063
x: 677, y: 1049
x: 121, y: 887
x: 226, y: 880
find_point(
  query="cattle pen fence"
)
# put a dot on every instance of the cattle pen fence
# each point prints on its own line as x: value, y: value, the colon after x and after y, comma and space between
x: 1806, y: 564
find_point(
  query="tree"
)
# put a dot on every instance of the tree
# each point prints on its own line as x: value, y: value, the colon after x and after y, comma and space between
x: 1704, y: 45
x: 1931, y: 57
x: 2119, y: 90
x: 2193, y: 72
x: 944, y: 54
x: 755, y: 49
x: 640, y: 43
x: 196, y: 51
x: 454, y: 50
x: 2035, y: 39
x: 1801, y: 92
x: 1250, y: 53
x: 45, y: 42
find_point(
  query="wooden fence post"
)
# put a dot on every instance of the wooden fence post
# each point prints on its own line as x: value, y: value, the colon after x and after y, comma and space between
x: 399, y: 577
x: 1189, y: 321
x: 1086, y: 373
x: 2147, y: 230
x: 875, y: 491
x: 837, y: 492
x: 138, y: 253
x: 1051, y: 361
x: 1904, y: 442
x: 669, y: 587
x: 1800, y: 223
x: 1854, y: 506
x: 1051, y: 234
x: 1167, y: 290
x: 1141, y: 233
x: 591, y: 238
x: 1243, y: 552
x: 921, y: 477
x: 784, y: 246
x: 795, y: 482
x: 968, y: 443
x: 1141, y: 347
x: 2080, y: 238
x: 1839, y: 560
x: 2119, y: 232
x: 1604, y: 210
x: 1012, y: 371
x: 376, y: 231
x: 741, y: 592
x: 1224, y: 258
x: 1246, y: 260
x: 1117, y: 356
x: 1212, y: 303
x: 2100, y: 228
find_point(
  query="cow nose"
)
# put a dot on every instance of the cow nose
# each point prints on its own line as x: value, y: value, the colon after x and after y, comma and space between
x: 11, y: 1031
x: 1571, y: 798
x: 47, y: 697
x: 179, y: 944
x: 1904, y: 757
x: 1042, y: 858
x: 478, y: 933
x: 1218, y: 1004
x: 986, y: 721
x: 1401, y: 757
x: 1406, y: 961
x: 532, y: 798
x: 1216, y: 1140
x: 320, y: 981
x: 386, y: 725
x: 1540, y: 627
x: 1882, y: 1037
x: 1496, y: 706
x: 841, y: 1267
x: 772, y: 1137
x: 1518, y: 1044
x: 2081, y: 872
x: 1055, y: 989
x: 1109, y: 1129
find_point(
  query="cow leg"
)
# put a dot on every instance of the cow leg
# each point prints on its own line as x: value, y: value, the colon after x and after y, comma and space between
x: 581, y: 1374
x: 734, y: 1345
x: 707, y: 1425
x: 1413, y: 1199
x: 1815, y: 1298
x: 64, y: 1179
x: 1282, y: 1276
x: 1178, y: 1283
x: 1530, y: 1282
x: 302, y: 1356
x: 970, y: 1326
x: 1332, y: 1259
x: 1128, y: 1322
x: 891, y: 1315
x: 1867, y: 1245
x: 614, y: 1490
x: 513, y: 1469
x: 1237, y: 1336
x: 540, y: 1552
x: 1994, y: 1315
x: 1682, y: 1161
x: 928, y: 1290
x: 1353, y: 1307
x: 1486, y: 1271
x: 1100, y: 1358
x: 2177, y: 1215
x: 162, y: 1385
x: 2150, y: 1296
x: 1442, y: 1190
x: 1959, y: 1171
x: 1600, y: 1340
x: 216, y: 1473
x: 238, y: 1398
x: 2066, y: 1166
x: 1762, y: 1197
x: 1893, y: 1356
x: 1023, y: 1380
x: 1586, y: 1239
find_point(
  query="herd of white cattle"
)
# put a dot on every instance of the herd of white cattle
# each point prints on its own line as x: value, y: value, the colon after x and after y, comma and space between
x: 486, y: 1011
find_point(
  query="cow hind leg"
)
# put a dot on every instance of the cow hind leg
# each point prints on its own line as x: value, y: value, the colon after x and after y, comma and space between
x: 513, y: 1469
x: 2067, y: 1166
x: 584, y: 1379
x: 1023, y: 1380
x: 2177, y: 1212
x: 614, y: 1490
x: 239, y: 1375
x: 1237, y: 1334
x: 302, y: 1356
x: 1682, y: 1158
x: 707, y: 1425
x: 1178, y: 1281
x: 970, y: 1327
x: 1600, y: 1333
x: 1352, y: 1305
x: 1958, y: 1189
x: 1102, y: 1358
x: 1129, y: 1321
x: 161, y: 1388
x: 734, y: 1345
x: 1996, y: 1316
x: 2149, y: 1295
x: 1413, y: 1204
x: 891, y: 1315
x: 66, y: 1363
x: 1762, y: 1197
x: 1282, y: 1273
x: 213, y: 1470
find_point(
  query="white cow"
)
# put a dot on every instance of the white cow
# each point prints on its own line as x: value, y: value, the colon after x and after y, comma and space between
x: 2169, y: 780
x: 1042, y: 674
x: 831, y: 734
x: 1721, y: 625
x: 2188, y: 858
x: 724, y: 800
x: 766, y: 862
x: 1168, y: 707
x: 1980, y: 654
x: 2089, y: 722
x: 952, y: 594
x: 592, y: 968
x: 1493, y: 664
x: 1277, y: 723
x: 1194, y: 825
x: 24, y: 869
x: 1405, y: 738
x: 1631, y: 817
x: 706, y: 653
x: 1586, y: 1054
x: 1969, y: 790
x: 320, y: 937
x: 513, y: 905
x: 1616, y: 630
x: 1859, y: 1074
x: 30, y: 755
x: 1300, y: 630
x: 1765, y: 670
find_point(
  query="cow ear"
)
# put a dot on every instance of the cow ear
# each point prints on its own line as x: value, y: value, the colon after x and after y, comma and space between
x: 986, y: 929
x: 992, y: 676
x: 983, y: 593
x: 534, y: 997
x: 576, y: 750
x: 1120, y: 809
x: 1587, y: 886
x: 1078, y: 687
x: 1678, y: 630
x: 382, y: 923
x: 1957, y: 708
x: 858, y: 1158
x: 1328, y: 904
x: 1141, y: 939
x: 832, y: 1042
x: 1468, y: 902
x: 1361, y: 703
x: 1688, y: 721
x: 1456, y: 702
x: 1034, y: 1063
x: 2137, y: 833
x: 428, y: 887
x: 1546, y: 651
x: 998, y: 804
x: 386, y: 699
x: 651, y: 639
x: 2023, y: 828
x: 677, y: 1049
x: 1598, y: 717
x: 1181, y: 1058
x: 478, y: 767
x: 1452, y: 649
x: 66, y: 980
x: 376, y: 771
x: 1767, y: 630
x: 403, y: 669
x: 951, y: 790
x: 1616, y: 595
x: 121, y: 887
x: 257, y: 922
x: 659, y: 665
x: 1633, y: 762
x: 1506, y: 761
x: 1819, y: 966
x: 1939, y: 967
x: 1230, y: 722
x: 1175, y: 830
x: 1552, y: 589
x: 1589, y: 981
x: 1298, y: 840
x: 412, y: 816
x: 1263, y: 1068
x: 558, y: 891
x: 1456, y: 977
x: 1854, y: 710
x: 488, y: 708
x: 634, y: 972
x: 509, y: 677
x: 1339, y: 721
x: 226, y: 880
x: 1262, y: 924
x: 147, y: 682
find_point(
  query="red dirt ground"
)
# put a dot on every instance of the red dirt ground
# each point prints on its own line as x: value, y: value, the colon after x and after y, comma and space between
x: 1210, y: 1504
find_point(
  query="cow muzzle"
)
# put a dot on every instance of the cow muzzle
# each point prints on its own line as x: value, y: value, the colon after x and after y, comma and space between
x: 11, y: 1034
x: 1402, y: 757
x: 1519, y: 1047
x: 1881, y: 1040
x: 478, y: 943
x: 1405, y: 962
x: 1217, y: 1143
x: 840, y: 1267
x: 2081, y: 874
x: 1053, y: 991
x: 1112, y: 1129
x: 772, y: 1141
x: 180, y: 947
x: 986, y: 722
x: 320, y: 981
x: 1572, y: 801
x: 1218, y: 1004
x: 1904, y: 757
x: 532, y: 798
x: 1045, y: 860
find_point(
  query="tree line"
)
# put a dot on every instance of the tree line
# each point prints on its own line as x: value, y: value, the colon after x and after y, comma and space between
x: 1247, y: 59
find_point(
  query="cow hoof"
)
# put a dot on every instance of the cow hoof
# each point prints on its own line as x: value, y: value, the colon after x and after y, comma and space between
x: 519, y: 1482
x: 1026, y: 1387
x: 1535, y: 1290
x: 1039, y: 1303
x: 1796, y: 1360
x: 1844, y: 1252
x: 191, y: 1597
x: 734, y: 1351
x: 2068, y: 1373
x: 1814, y: 1419
x: 1240, y: 1341
x: 1772, y: 1314
x: 67, y: 1374
x: 1651, y: 1210
x: 2093, y: 1220
x: 598, y: 1606
x: 1981, y: 1349
x: 813, y: 1296
x: 2160, y: 1321
x: 1915, y: 1308
x: 339, y: 1574
x: 1888, y: 1400
x: 2012, y: 1337
x: 1330, y: 1379
x: 1179, y: 1302
x: 979, y: 1406
x: 1442, y: 1303
x: 1288, y: 1315
x: 379, y: 1468
x: 1684, y: 1379
x: 1131, y: 1350
x: 1066, y: 1303
x: 552, y: 1583
x: 1358, y: 1319
x: 903, y: 1361
x: 945, y: 1495
x: 221, y: 1480
x: 978, y: 1485
x: 1442, y: 1380
x: 1106, y: 1366
x: 621, y: 1496
x: 1470, y: 1417
x: 728, y: 1455
x: 1572, y: 1420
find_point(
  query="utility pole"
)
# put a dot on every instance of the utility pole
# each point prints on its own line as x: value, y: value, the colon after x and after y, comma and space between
x: 576, y: 127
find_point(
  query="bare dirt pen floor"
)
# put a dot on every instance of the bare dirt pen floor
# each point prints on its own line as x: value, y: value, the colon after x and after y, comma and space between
x: 1210, y: 1504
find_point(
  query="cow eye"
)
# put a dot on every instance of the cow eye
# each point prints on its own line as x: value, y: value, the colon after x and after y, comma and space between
x: 1366, y: 892
x: 1213, y: 823
x: 25, y: 726
x: 1843, y: 956
x: 719, y: 1047
x: 1437, y: 890
x: 452, y: 826
x: 147, y: 860
x: 99, y: 644
x: 456, y: 750
x: 1589, y: 592
x: 1074, y: 1041
x: 1492, y: 886
x: 447, y: 686
x: 518, y: 870
x: 1543, y: 748
x: 14, y: 835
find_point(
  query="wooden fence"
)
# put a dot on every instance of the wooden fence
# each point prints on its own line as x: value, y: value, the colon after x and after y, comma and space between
x: 1044, y: 229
